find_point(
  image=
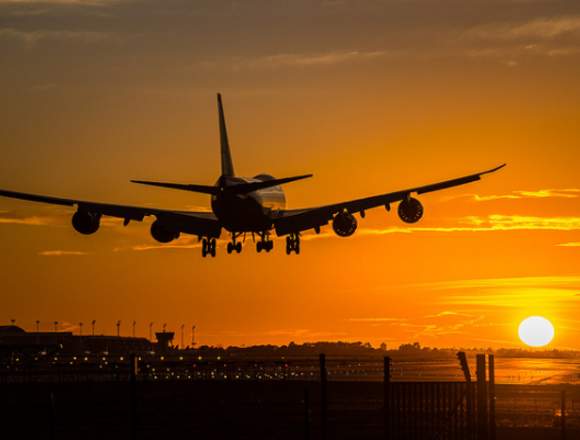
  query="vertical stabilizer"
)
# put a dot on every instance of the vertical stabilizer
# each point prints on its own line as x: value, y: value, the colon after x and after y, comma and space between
x: 226, y: 155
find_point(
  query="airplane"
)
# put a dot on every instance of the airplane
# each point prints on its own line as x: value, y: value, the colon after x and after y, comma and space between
x: 242, y: 205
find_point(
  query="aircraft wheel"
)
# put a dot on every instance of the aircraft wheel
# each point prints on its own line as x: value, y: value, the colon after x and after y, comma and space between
x: 204, y: 248
x: 238, y: 247
x: 230, y: 248
x: 213, y: 247
x: 259, y: 246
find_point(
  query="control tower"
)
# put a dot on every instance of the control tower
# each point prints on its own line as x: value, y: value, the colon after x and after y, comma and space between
x: 164, y: 340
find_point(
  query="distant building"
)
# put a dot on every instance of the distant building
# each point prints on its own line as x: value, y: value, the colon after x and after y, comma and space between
x: 16, y: 339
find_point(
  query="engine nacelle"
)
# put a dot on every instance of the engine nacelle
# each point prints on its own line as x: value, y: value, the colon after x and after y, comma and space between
x: 86, y: 222
x: 344, y: 224
x: 410, y: 210
x: 162, y: 233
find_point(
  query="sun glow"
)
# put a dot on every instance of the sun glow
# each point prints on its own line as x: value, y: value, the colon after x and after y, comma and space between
x: 536, y: 331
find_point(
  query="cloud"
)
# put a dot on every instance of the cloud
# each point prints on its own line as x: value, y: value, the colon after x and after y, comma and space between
x: 539, y: 28
x: 541, y: 36
x: 457, y: 328
x: 376, y: 320
x: 30, y: 221
x: 450, y: 313
x: 539, y: 281
x: 543, y: 292
x: 305, y: 59
x: 570, y: 244
x: 546, y: 27
x: 183, y: 243
x: 490, y: 223
x: 60, y: 218
x: 33, y: 37
x: 59, y: 253
x: 566, y: 193
x: 60, y: 2
x: 499, y: 222
x: 540, y: 298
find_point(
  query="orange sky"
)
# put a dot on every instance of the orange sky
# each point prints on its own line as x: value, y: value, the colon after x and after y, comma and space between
x: 369, y: 96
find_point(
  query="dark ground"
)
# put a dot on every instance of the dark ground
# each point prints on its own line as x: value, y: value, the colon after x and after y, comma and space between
x: 213, y: 409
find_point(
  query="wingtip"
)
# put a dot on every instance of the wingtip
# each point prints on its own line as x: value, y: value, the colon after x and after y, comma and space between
x: 493, y: 170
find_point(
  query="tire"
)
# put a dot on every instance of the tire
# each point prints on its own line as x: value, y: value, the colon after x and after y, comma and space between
x: 259, y: 246
x: 238, y: 247
x: 230, y: 248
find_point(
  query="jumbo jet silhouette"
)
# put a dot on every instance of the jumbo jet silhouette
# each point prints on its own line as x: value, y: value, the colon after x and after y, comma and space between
x: 243, y: 205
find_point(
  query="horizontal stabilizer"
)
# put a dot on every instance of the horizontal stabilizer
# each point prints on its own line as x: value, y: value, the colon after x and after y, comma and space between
x: 244, y: 188
x: 205, y: 189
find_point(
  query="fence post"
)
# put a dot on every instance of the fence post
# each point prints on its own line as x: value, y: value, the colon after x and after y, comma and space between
x: 492, y: 428
x: 482, y: 421
x: 133, y: 370
x: 323, y: 397
x: 306, y: 414
x: 386, y: 396
x: 51, y: 417
x: 563, y: 419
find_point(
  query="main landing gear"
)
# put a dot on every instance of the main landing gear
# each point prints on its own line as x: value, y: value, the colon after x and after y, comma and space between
x: 265, y: 244
x: 293, y: 243
x: 234, y: 245
x: 208, y: 247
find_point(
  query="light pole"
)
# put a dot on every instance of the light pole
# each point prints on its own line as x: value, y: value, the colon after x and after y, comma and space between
x: 118, y: 328
x: 80, y: 328
x: 37, y: 326
x: 164, y: 327
x: 193, y: 335
x: 151, y: 330
x: 134, y: 324
x: 182, y: 327
x: 93, y: 322
x: 55, y: 326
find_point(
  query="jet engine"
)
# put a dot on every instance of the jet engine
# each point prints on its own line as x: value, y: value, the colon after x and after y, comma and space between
x: 344, y: 224
x: 162, y: 233
x: 410, y: 210
x: 86, y: 222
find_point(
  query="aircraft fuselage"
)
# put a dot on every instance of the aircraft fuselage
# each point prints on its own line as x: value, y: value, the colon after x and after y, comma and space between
x: 248, y: 212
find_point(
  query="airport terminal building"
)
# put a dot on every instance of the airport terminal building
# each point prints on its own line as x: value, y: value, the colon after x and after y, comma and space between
x: 14, y: 338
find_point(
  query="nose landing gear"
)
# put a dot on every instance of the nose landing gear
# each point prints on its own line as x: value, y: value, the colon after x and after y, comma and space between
x: 293, y: 243
x: 208, y: 246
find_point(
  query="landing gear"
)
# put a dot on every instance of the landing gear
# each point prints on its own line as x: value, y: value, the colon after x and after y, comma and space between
x: 265, y: 244
x: 293, y: 243
x: 208, y: 247
x: 234, y: 245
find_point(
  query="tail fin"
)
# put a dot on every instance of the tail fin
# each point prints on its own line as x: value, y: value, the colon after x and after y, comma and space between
x: 226, y: 155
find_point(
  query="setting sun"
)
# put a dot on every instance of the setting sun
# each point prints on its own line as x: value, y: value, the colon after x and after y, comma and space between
x: 536, y: 331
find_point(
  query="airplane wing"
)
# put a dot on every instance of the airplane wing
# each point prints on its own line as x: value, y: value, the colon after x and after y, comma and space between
x: 292, y: 221
x: 195, y: 223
